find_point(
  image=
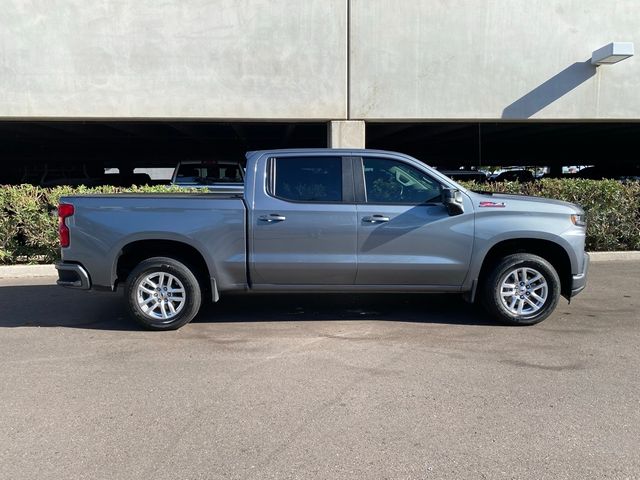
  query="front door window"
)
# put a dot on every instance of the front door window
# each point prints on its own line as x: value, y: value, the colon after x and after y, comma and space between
x: 393, y: 182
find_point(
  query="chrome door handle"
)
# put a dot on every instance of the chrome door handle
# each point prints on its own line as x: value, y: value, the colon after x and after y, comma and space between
x: 274, y: 217
x: 375, y: 219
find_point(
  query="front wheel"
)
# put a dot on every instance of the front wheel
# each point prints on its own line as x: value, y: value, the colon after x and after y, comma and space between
x: 162, y: 294
x: 522, y: 289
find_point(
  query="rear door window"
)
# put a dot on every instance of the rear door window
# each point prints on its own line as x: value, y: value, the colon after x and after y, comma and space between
x: 307, y: 179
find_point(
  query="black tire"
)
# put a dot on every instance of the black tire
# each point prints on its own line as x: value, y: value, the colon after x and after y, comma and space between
x: 192, y: 294
x: 492, y: 300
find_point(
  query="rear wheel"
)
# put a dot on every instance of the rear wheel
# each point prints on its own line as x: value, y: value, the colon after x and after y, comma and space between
x: 522, y: 289
x: 163, y: 294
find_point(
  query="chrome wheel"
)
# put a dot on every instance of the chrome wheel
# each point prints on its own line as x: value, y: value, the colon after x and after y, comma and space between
x: 160, y: 296
x: 523, y: 291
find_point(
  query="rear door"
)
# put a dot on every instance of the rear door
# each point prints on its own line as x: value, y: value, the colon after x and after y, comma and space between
x: 405, y: 235
x: 304, y: 223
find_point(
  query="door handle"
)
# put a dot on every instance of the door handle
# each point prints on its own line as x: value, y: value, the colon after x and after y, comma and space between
x: 274, y: 217
x: 375, y: 219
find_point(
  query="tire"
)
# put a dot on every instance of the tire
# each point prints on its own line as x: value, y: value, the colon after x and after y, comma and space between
x: 171, y: 307
x: 538, y: 296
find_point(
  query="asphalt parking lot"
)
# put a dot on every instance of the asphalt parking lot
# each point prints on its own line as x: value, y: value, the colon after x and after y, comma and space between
x: 329, y: 387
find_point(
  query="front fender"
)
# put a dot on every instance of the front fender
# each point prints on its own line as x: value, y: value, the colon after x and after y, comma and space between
x: 492, y: 230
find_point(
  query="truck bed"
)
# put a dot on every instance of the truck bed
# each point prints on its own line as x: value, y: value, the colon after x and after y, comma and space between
x: 200, y: 195
x: 212, y: 223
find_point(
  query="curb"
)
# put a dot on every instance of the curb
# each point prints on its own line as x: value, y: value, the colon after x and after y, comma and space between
x: 27, y: 271
x: 614, y: 256
x: 30, y: 271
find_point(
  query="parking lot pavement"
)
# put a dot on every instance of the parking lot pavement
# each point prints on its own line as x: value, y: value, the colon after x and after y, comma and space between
x: 385, y: 386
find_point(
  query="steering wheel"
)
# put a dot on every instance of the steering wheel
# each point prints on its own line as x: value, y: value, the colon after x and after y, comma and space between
x: 399, y: 176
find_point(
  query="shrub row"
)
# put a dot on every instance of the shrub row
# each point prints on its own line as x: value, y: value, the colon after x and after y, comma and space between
x: 28, y: 224
x: 29, y: 219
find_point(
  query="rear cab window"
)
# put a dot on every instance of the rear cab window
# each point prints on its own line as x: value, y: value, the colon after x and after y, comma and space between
x: 207, y: 173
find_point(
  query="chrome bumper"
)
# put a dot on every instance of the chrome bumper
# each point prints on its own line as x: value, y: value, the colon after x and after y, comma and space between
x: 580, y: 280
x: 72, y: 275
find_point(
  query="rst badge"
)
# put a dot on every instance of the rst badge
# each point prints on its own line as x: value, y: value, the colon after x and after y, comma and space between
x: 493, y: 204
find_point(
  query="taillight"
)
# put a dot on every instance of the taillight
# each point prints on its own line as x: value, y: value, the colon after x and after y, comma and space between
x: 65, y: 210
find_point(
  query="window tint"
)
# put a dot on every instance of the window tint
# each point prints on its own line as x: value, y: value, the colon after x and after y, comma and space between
x: 390, y: 181
x: 309, y: 179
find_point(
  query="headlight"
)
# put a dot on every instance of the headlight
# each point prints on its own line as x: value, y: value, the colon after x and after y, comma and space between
x: 579, y: 220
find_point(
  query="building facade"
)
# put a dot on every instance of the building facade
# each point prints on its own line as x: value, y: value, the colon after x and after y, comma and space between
x: 327, y: 61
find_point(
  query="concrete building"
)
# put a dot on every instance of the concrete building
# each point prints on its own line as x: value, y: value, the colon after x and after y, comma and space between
x: 461, y: 82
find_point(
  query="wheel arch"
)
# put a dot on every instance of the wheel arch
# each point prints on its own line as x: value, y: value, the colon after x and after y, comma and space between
x: 551, y: 251
x: 134, y: 252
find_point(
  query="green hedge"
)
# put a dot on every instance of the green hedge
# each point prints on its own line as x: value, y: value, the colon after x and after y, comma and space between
x: 29, y: 223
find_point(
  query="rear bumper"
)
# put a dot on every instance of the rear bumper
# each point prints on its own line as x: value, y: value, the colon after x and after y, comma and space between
x: 72, y: 275
x: 579, y: 281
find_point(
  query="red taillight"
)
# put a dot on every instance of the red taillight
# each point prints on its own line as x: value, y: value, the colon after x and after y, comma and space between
x: 64, y: 210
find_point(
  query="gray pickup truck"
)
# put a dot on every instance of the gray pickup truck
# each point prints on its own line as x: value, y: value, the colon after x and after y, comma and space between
x: 325, y: 220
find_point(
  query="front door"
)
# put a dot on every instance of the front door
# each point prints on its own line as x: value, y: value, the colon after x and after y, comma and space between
x: 304, y: 230
x: 405, y: 235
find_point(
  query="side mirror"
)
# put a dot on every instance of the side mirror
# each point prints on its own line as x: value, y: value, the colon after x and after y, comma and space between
x: 452, y: 200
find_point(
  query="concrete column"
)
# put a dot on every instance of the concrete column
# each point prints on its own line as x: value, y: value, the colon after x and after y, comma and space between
x: 346, y: 134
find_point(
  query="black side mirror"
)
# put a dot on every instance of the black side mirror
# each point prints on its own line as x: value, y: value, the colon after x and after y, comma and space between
x: 452, y: 200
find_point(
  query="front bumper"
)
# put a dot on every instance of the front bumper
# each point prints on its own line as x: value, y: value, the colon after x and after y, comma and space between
x: 579, y: 281
x: 72, y: 275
